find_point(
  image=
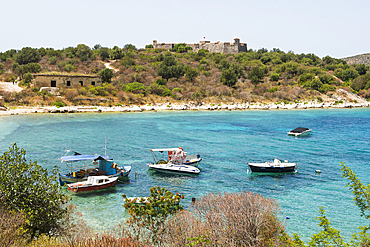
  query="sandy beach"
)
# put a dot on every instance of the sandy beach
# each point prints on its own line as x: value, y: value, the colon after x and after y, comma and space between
x: 177, y: 107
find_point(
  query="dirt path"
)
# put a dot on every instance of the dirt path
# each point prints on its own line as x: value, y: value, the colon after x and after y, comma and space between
x: 10, y: 87
x: 107, y: 65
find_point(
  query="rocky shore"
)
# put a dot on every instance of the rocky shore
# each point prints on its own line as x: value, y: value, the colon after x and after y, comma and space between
x: 170, y: 106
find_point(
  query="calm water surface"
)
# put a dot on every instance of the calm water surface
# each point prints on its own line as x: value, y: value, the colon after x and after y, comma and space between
x: 226, y: 140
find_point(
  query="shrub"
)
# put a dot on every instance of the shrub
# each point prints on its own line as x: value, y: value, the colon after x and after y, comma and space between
x: 326, y: 88
x: 71, y: 94
x: 274, y: 89
x: 160, y: 90
x: 274, y: 77
x: 226, y: 219
x: 11, y: 233
x: 58, y: 104
x: 191, y: 73
x: 68, y: 67
x: 135, y: 87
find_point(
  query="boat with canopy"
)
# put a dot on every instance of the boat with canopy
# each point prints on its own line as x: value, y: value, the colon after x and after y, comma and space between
x: 83, y: 166
x: 174, y: 156
x: 174, y: 161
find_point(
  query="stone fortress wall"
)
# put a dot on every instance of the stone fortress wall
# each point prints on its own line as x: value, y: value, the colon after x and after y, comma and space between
x: 221, y: 47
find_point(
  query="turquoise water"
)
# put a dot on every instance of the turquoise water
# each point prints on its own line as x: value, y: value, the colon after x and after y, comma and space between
x: 226, y: 140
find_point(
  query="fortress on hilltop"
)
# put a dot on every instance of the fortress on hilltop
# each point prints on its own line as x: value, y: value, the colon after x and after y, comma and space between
x: 221, y: 47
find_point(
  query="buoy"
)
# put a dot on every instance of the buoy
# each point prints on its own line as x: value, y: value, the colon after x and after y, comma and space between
x: 318, y: 171
x: 287, y: 218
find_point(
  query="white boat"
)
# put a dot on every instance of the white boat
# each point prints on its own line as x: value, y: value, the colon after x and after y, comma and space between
x: 174, y: 156
x: 93, y: 183
x: 300, y: 131
x: 276, y: 166
x: 171, y: 168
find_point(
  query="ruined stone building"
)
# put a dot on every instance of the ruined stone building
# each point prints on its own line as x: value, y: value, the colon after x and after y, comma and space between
x: 221, y: 47
x: 50, y: 80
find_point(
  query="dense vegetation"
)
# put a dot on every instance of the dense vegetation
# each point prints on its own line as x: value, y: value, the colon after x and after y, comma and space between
x: 154, y: 75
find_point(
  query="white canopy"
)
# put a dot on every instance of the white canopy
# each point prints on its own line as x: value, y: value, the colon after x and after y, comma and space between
x: 165, y: 149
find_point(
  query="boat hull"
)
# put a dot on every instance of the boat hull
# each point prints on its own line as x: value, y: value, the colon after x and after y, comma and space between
x: 194, y: 162
x: 91, y: 188
x: 272, y: 169
x: 69, y: 179
x: 175, y: 170
x: 305, y: 133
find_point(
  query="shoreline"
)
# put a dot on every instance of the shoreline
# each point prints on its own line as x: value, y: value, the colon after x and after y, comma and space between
x: 20, y: 110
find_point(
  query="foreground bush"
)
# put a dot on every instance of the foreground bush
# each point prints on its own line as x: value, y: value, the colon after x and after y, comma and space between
x: 226, y: 219
x: 30, y: 190
x: 11, y: 232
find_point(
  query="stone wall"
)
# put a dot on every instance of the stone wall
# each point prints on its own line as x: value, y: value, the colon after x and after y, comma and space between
x: 44, y: 80
x: 221, y: 47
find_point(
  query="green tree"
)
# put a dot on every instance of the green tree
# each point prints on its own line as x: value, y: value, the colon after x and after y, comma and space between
x: 83, y: 52
x: 97, y: 47
x: 28, y: 188
x: 27, y: 55
x: 257, y: 73
x: 104, y: 53
x: 315, y: 84
x: 361, y: 82
x: 191, y: 73
x: 170, y: 68
x: 149, y: 46
x: 229, y: 77
x: 361, y: 69
x: 30, y: 68
x: 152, y: 213
x: 116, y: 53
x: 106, y: 75
x: 27, y: 78
x: 129, y: 47
x: 347, y: 74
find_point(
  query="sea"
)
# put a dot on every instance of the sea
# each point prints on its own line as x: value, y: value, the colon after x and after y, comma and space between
x: 227, y: 141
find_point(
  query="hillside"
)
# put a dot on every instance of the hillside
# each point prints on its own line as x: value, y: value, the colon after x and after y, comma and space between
x: 359, y: 59
x: 143, y: 76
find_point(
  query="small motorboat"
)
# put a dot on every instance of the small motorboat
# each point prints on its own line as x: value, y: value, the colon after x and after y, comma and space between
x: 300, y: 131
x: 170, y: 168
x: 276, y: 166
x: 93, y: 183
x: 175, y: 156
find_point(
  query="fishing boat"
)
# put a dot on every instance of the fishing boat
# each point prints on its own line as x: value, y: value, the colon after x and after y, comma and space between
x: 276, y: 166
x: 93, y: 183
x: 300, y: 131
x: 174, y: 156
x: 84, y: 166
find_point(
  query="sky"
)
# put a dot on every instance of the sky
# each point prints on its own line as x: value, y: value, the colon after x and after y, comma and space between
x: 324, y: 27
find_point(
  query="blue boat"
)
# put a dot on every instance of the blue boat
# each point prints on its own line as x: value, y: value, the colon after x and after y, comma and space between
x: 83, y: 166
